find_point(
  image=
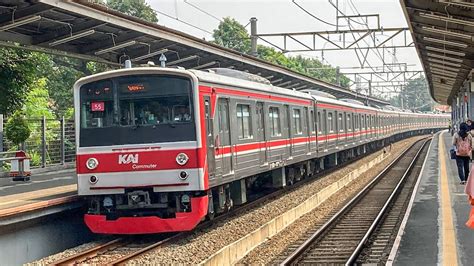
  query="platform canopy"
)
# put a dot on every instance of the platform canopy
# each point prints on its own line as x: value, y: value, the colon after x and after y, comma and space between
x: 443, y: 31
x: 94, y: 32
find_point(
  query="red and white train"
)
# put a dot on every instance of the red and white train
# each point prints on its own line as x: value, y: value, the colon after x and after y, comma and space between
x: 159, y: 149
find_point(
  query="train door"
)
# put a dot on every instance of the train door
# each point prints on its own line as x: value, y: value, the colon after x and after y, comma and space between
x: 312, y: 129
x: 307, y: 129
x: 287, y: 125
x: 225, y: 165
x: 321, y: 122
x: 349, y: 128
x: 211, y: 162
x: 261, y: 137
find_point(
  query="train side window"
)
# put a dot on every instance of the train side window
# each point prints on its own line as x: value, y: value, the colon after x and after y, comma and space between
x: 320, y: 123
x: 208, y: 117
x: 275, y: 127
x: 244, y: 122
x: 340, y: 123
x: 297, y: 122
x: 330, y: 123
x: 349, y: 122
x: 313, y: 124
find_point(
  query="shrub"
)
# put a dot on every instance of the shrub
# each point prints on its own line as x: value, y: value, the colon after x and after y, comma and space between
x: 16, y: 129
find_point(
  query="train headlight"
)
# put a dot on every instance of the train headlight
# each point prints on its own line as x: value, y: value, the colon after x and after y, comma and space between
x: 185, y: 199
x: 182, y: 158
x: 92, y: 163
x: 183, y: 175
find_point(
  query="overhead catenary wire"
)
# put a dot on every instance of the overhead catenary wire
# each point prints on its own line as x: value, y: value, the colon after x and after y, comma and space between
x: 315, y: 17
x: 182, y: 21
x: 203, y: 11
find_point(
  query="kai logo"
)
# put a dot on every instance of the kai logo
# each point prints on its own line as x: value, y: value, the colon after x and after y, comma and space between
x: 128, y: 158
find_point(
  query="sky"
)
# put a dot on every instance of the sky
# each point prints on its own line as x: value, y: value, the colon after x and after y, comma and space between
x: 284, y: 16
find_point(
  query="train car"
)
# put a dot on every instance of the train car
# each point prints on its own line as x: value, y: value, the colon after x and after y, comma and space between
x: 161, y: 149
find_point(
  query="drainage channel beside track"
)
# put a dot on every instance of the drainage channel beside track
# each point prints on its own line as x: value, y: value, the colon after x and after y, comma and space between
x: 359, y: 231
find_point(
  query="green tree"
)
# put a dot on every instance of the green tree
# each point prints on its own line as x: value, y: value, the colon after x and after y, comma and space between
x: 136, y: 8
x: 18, y: 69
x: 231, y: 34
x: 414, y: 96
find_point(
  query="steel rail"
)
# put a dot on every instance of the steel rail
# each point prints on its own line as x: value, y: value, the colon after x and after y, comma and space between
x: 120, y: 242
x: 90, y: 253
x: 385, y: 208
x: 294, y: 257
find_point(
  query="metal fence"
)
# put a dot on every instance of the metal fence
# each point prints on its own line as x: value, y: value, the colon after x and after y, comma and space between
x: 51, y: 142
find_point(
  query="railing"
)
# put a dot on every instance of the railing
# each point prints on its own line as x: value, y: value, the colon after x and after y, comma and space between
x: 20, y: 164
x: 51, y: 142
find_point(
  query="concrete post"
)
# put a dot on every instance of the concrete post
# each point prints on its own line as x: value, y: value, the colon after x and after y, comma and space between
x: 338, y: 76
x: 1, y: 136
x: 63, y: 148
x: 43, y: 142
x: 253, y: 36
x: 1, y: 132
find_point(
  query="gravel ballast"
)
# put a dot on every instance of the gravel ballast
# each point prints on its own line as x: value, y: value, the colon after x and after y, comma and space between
x: 202, y: 243
x: 269, y: 251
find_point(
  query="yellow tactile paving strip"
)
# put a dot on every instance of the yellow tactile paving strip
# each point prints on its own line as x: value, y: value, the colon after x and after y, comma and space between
x: 33, y: 196
x: 449, y: 247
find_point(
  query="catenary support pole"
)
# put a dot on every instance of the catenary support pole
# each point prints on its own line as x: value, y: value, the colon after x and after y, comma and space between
x: 253, y: 36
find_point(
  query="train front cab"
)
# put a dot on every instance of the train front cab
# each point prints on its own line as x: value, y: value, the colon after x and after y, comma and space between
x: 140, y: 162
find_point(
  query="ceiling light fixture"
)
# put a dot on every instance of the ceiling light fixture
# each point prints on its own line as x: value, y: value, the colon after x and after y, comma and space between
x: 20, y: 22
x: 205, y: 65
x: 72, y: 37
x: 442, y: 62
x: 152, y: 54
x: 440, y: 41
x: 116, y: 47
x: 447, y: 19
x: 444, y: 57
x: 447, y: 32
x: 434, y: 49
x: 182, y: 60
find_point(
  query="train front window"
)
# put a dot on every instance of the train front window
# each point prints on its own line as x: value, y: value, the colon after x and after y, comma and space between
x: 136, y: 109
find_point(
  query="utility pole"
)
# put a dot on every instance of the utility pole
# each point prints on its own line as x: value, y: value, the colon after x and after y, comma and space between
x: 370, y: 88
x: 253, y: 36
x: 338, y: 76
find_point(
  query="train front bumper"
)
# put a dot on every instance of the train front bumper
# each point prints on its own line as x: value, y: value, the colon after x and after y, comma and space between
x: 184, y: 221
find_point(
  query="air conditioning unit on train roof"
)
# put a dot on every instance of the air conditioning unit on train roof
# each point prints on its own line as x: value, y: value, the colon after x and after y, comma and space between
x: 352, y: 101
x: 239, y: 75
x: 320, y: 93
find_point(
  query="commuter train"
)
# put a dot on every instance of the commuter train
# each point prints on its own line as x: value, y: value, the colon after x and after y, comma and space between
x: 161, y: 149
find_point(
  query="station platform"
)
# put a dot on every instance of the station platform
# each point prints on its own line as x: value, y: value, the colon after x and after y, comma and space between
x: 433, y: 231
x: 44, y: 191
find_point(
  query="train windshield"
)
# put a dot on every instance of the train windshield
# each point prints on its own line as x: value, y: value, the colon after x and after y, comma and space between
x: 136, y: 110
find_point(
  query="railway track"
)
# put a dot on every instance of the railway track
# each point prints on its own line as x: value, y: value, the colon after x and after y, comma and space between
x: 121, y: 250
x: 369, y: 217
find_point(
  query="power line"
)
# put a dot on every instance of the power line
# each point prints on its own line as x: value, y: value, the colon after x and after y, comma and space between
x: 315, y: 17
x: 203, y: 11
x: 182, y: 21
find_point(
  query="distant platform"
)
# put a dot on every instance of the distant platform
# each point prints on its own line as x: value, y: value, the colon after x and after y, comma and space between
x: 41, y: 195
x: 434, y: 230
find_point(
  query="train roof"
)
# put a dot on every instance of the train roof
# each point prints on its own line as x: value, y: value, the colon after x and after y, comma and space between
x: 210, y: 77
